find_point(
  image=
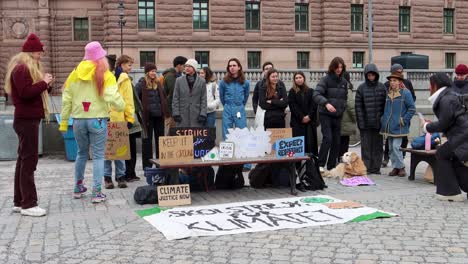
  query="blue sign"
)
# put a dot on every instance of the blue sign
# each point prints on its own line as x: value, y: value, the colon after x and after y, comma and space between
x: 290, y: 147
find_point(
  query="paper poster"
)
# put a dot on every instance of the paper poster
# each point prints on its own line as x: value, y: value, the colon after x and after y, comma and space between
x: 175, y: 149
x: 118, y: 143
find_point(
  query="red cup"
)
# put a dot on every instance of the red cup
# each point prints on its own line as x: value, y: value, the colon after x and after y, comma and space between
x: 86, y: 106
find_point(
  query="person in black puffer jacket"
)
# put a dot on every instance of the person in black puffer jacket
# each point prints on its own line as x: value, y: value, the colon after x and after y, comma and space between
x: 274, y: 100
x: 330, y: 96
x: 461, y: 79
x: 369, y: 105
x: 451, y: 172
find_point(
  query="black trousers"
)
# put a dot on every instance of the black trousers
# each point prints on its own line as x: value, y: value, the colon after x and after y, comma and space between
x: 450, y: 175
x: 371, y: 149
x: 331, y: 130
x: 156, y: 129
x: 131, y: 163
x: 310, y: 135
x: 344, y: 146
x: 404, y: 144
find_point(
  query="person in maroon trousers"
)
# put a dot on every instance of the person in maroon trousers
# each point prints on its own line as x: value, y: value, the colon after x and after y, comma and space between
x: 28, y: 88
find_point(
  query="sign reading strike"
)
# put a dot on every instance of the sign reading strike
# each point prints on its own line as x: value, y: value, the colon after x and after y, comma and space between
x: 175, y: 149
x: 203, y: 138
x: 117, y: 144
x: 290, y: 147
x: 172, y: 195
x: 255, y: 216
x: 226, y: 150
x: 279, y: 133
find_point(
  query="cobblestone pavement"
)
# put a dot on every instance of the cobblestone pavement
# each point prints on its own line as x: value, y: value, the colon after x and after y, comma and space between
x: 75, y: 231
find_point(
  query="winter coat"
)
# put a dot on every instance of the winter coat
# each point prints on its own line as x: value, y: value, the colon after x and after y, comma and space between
x: 258, y: 85
x: 331, y: 89
x: 156, y: 99
x: 234, y: 93
x: 189, y: 104
x: 170, y: 76
x: 348, y: 121
x: 125, y: 89
x: 302, y: 104
x: 461, y: 87
x: 212, y: 97
x: 138, y: 116
x: 26, y: 96
x: 447, y: 107
x: 399, y: 109
x: 407, y: 84
x: 80, y: 91
x: 279, y: 102
x: 370, y: 101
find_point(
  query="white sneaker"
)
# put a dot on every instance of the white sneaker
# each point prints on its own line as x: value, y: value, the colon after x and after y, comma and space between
x: 33, y: 211
x: 451, y: 198
x: 322, y: 169
x: 16, y: 209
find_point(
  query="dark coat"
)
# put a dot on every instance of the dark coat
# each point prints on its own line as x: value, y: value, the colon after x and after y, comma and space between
x: 447, y: 107
x: 370, y: 101
x: 408, y: 85
x: 255, y: 97
x: 26, y: 96
x: 461, y: 87
x: 331, y: 89
x: 170, y: 76
x: 275, y: 110
x: 156, y: 98
x: 302, y: 104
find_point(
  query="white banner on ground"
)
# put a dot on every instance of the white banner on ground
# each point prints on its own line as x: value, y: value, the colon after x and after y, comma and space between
x: 255, y: 216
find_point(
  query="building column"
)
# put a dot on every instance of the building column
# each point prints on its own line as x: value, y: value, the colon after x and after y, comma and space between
x: 43, y: 30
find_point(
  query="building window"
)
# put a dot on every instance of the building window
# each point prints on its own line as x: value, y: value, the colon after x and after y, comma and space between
x: 252, y: 16
x: 200, y: 14
x: 358, y: 60
x: 145, y: 14
x: 302, y: 17
x: 449, y: 60
x: 448, y: 20
x: 302, y: 60
x: 357, y: 18
x: 80, y: 29
x: 203, y: 58
x: 147, y: 56
x: 253, y: 59
x: 404, y: 53
x: 405, y: 19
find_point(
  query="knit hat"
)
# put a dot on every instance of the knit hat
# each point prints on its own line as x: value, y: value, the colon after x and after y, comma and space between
x: 396, y: 67
x: 94, y: 51
x: 461, y: 69
x: 192, y: 63
x: 396, y: 75
x: 32, y: 44
x: 149, y: 67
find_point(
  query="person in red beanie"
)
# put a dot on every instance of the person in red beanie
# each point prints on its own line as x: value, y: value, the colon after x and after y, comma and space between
x: 461, y: 79
x: 28, y: 88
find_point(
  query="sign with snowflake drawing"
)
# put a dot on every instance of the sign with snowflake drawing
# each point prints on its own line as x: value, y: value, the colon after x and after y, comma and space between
x: 249, y: 143
x: 290, y: 147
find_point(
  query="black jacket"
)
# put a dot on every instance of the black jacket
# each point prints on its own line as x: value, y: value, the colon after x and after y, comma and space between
x: 370, y: 100
x: 154, y: 100
x: 451, y: 122
x: 331, y: 89
x: 408, y: 84
x: 258, y: 85
x: 302, y: 104
x: 275, y: 110
x: 461, y: 86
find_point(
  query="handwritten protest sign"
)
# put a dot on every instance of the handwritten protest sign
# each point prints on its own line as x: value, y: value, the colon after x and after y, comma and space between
x: 203, y: 138
x: 278, y: 133
x: 173, y: 195
x: 175, y: 149
x: 117, y: 144
x: 290, y: 147
x: 226, y: 150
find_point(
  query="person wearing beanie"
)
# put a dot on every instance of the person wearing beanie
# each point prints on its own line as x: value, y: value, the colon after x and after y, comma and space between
x: 461, y: 79
x: 189, y: 101
x: 169, y: 77
x: 151, y: 93
x: 28, y: 88
x: 395, y: 122
x: 87, y: 94
x: 398, y: 68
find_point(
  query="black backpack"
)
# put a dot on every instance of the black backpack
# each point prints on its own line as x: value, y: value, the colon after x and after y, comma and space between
x: 260, y: 175
x: 147, y: 194
x: 229, y: 177
x: 311, y: 179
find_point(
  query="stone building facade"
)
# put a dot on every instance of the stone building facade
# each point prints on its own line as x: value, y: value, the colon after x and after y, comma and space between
x: 291, y: 33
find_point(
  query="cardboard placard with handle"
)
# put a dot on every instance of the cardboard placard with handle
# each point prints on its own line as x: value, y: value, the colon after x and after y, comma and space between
x: 279, y: 133
x: 175, y: 149
x: 118, y: 143
x: 173, y: 195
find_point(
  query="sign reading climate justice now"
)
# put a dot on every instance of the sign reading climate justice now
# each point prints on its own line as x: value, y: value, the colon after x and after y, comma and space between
x: 175, y: 149
x: 117, y: 144
x: 172, y: 195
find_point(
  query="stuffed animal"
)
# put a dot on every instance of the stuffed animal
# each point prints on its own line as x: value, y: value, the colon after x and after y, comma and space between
x: 351, y: 166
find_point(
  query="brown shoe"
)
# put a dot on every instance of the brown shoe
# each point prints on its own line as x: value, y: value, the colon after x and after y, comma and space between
x: 121, y: 183
x: 394, y: 172
x: 108, y: 184
x: 401, y: 172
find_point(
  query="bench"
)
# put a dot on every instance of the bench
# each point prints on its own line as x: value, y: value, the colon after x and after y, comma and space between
x: 418, y: 156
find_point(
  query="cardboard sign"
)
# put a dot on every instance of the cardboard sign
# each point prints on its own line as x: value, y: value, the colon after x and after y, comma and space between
x: 278, y: 133
x: 226, y: 150
x: 173, y: 195
x: 175, y: 149
x: 203, y: 138
x: 343, y: 205
x: 117, y: 144
x: 290, y: 147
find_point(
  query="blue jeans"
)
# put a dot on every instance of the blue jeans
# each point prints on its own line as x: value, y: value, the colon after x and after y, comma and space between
x: 119, y: 168
x: 396, y: 156
x: 90, y: 133
x: 230, y: 119
x: 211, y: 119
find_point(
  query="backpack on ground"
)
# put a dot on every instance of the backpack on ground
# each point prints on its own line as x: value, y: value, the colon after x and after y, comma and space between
x: 147, y: 194
x: 311, y: 179
x: 260, y: 175
x: 280, y: 174
x: 229, y: 177
x: 196, y: 176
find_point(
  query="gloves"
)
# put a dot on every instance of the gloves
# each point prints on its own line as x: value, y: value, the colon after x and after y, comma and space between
x: 201, y: 119
x: 129, y: 125
x: 177, y: 119
x: 63, y: 127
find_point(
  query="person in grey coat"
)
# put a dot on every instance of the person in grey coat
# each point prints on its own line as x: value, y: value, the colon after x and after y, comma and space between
x: 189, y: 98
